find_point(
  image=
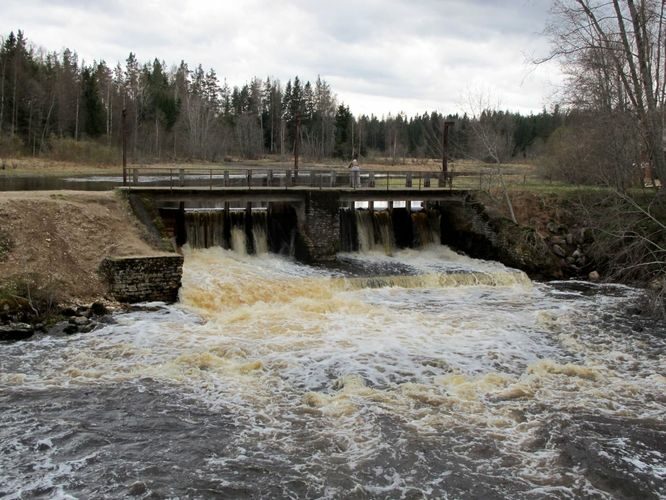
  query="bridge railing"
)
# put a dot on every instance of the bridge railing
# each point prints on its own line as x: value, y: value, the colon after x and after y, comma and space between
x: 248, y: 178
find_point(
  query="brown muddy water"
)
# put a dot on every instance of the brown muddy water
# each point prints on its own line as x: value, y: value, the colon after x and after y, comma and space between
x: 421, y: 375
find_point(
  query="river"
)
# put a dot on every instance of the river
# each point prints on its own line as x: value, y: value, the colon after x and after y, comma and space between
x: 425, y: 374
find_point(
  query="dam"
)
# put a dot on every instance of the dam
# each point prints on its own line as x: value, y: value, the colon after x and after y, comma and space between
x: 310, y: 214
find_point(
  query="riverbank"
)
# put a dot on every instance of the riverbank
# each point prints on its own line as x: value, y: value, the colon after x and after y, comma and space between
x: 597, y: 234
x: 51, y: 246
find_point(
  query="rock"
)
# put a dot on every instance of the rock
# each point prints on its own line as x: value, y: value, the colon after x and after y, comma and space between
x: 577, y: 254
x: 79, y: 321
x: 558, y: 240
x: 570, y: 260
x: 68, y: 312
x: 71, y: 329
x: 594, y: 276
x: 559, y: 251
x: 59, y: 328
x: 553, y: 227
x: 98, y: 309
x: 88, y: 328
x: 138, y: 489
x: 16, y: 331
x: 570, y: 239
x: 106, y: 320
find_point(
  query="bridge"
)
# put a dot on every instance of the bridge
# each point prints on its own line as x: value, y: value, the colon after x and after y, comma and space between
x: 263, y: 183
x: 315, y: 195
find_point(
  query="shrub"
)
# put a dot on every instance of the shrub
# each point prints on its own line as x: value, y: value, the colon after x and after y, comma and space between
x: 29, y: 297
x: 11, y: 146
x: 83, y: 151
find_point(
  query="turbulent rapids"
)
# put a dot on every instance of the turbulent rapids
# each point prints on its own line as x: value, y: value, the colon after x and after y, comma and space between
x: 391, y: 373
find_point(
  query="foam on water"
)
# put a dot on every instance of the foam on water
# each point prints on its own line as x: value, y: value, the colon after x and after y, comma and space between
x: 383, y: 386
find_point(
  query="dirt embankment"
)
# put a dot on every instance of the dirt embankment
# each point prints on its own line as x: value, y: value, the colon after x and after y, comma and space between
x: 54, y: 241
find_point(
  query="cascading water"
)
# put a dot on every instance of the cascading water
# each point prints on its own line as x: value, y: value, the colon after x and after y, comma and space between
x: 385, y: 230
x: 418, y: 374
x: 206, y: 229
x: 233, y: 230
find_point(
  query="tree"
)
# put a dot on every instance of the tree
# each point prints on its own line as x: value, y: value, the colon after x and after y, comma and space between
x: 343, y: 125
x: 615, y: 55
x: 133, y: 96
x: 492, y: 131
x: 93, y: 111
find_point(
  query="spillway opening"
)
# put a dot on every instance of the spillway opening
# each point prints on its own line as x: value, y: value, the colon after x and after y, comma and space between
x: 365, y: 230
x: 252, y: 232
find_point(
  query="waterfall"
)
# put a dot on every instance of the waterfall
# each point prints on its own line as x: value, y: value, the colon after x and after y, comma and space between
x: 387, y: 230
x: 206, y: 229
x: 262, y: 232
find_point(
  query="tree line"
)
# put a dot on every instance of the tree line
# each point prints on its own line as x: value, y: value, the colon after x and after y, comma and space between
x: 48, y: 98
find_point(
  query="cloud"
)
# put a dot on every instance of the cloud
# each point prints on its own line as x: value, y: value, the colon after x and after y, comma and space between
x: 379, y: 56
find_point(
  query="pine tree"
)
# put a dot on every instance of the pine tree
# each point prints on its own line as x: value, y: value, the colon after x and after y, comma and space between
x: 93, y: 111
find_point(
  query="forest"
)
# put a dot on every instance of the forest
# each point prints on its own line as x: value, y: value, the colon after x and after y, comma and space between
x: 51, y: 103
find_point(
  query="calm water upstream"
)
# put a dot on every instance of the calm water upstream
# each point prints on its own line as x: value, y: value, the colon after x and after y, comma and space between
x: 422, y: 375
x: 49, y: 182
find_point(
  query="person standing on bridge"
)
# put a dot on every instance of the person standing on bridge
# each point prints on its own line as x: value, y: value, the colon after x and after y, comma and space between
x: 355, y: 172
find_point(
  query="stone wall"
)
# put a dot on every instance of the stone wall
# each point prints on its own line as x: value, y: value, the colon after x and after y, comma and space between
x: 468, y: 227
x: 143, y: 279
x: 319, y: 227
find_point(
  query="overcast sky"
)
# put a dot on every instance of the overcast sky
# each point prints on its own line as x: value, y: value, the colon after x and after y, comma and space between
x: 379, y: 56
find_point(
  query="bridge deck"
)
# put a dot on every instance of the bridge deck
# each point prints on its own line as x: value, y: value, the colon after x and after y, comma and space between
x: 294, y: 193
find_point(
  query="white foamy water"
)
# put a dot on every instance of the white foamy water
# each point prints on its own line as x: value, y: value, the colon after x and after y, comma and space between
x: 422, y: 374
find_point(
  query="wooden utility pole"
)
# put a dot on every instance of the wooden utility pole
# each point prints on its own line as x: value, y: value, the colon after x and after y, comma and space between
x: 297, y: 142
x: 123, y: 125
x: 445, y: 147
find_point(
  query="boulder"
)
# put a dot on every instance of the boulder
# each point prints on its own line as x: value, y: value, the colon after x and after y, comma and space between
x: 79, y: 321
x: 98, y: 309
x: 16, y: 331
x: 594, y: 276
x: 68, y: 312
x: 71, y: 329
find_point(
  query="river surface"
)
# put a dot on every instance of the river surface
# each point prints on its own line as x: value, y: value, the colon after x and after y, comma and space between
x: 421, y: 375
x: 52, y: 182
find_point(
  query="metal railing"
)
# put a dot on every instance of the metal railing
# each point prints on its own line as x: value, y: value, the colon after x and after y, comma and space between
x: 249, y: 178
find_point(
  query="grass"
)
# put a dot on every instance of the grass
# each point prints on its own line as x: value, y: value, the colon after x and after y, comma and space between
x: 6, y: 245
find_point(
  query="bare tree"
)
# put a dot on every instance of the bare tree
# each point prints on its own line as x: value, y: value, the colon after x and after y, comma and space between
x: 615, y: 54
x: 492, y: 132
